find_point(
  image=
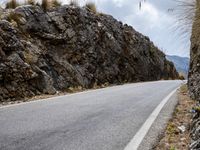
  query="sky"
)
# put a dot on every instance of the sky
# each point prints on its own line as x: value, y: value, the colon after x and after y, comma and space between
x: 154, y: 20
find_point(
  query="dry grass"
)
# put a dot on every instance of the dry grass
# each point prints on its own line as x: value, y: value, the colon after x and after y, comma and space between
x: 12, y: 4
x: 185, y: 16
x: 55, y: 3
x: 14, y: 18
x: 31, y: 2
x: 173, y: 138
x: 184, y: 89
x: 45, y: 5
x: 181, y: 76
x: 91, y: 7
x: 30, y: 58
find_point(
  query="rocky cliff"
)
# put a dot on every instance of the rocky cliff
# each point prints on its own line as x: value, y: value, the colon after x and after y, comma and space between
x: 194, y: 73
x: 42, y: 52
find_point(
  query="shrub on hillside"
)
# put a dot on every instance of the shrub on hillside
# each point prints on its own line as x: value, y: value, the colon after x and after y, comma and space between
x: 31, y: 2
x: 14, y: 18
x: 181, y: 76
x: 12, y: 4
x: 45, y: 4
x: 185, y: 14
x: 56, y: 3
x: 91, y: 7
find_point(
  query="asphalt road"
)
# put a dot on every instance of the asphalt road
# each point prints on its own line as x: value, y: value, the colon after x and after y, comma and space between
x: 104, y: 119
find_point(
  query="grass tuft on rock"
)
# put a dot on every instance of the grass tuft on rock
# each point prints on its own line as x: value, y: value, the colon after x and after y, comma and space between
x: 55, y: 3
x: 31, y: 2
x: 184, y: 89
x: 91, y: 7
x: 12, y: 4
x: 181, y: 76
x: 45, y: 4
x: 14, y: 18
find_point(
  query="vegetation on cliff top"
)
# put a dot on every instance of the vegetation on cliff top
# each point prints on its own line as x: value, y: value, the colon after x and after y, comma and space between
x: 47, y: 4
x: 12, y: 4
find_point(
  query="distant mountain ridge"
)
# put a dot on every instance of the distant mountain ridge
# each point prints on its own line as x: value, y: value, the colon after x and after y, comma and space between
x: 181, y: 63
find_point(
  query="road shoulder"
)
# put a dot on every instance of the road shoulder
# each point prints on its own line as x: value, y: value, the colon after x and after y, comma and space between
x: 158, y: 127
x: 165, y: 132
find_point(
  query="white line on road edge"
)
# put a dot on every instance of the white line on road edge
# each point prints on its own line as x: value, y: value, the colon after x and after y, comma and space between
x: 137, y: 139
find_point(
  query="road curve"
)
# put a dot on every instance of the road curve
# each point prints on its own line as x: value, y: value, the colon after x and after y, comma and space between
x: 103, y: 119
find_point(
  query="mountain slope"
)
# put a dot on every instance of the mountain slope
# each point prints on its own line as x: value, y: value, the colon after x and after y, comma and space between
x: 47, y: 51
x: 181, y: 63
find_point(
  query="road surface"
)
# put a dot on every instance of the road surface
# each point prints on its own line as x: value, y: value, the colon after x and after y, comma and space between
x: 103, y: 119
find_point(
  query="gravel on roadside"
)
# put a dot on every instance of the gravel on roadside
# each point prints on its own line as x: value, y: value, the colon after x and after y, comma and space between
x: 177, y: 133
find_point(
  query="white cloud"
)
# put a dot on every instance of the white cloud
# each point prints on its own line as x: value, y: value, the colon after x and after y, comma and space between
x: 148, y: 16
x: 148, y: 11
x: 119, y: 3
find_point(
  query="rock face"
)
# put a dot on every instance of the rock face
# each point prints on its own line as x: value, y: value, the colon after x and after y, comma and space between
x: 194, y: 79
x: 195, y: 130
x: 44, y: 52
x: 194, y: 73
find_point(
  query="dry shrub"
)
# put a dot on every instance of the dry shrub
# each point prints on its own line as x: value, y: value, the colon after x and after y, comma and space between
x: 181, y: 76
x: 45, y: 4
x: 12, y: 4
x: 13, y: 17
x: 74, y: 3
x: 91, y: 7
x: 185, y: 13
x: 31, y: 2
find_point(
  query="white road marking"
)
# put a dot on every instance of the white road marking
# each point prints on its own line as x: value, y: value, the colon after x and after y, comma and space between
x: 137, y: 139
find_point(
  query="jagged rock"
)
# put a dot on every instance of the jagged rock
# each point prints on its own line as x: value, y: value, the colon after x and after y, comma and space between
x: 195, y: 129
x: 195, y: 145
x: 194, y: 73
x: 45, y: 52
x: 195, y: 133
x: 194, y: 78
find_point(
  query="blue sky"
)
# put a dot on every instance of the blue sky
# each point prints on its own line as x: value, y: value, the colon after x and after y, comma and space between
x: 153, y: 20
